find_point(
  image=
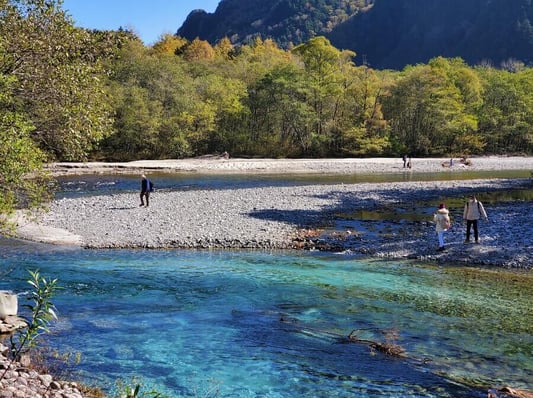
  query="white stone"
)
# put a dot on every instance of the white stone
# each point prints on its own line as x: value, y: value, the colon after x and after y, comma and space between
x: 8, y: 304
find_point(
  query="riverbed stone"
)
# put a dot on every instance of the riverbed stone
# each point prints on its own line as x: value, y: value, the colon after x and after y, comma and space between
x: 277, y: 218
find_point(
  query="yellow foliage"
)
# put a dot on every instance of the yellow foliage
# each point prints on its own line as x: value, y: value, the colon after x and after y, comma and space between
x: 169, y: 44
x: 199, y: 50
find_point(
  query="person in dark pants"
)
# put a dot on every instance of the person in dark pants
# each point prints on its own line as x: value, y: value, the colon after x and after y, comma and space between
x: 473, y: 211
x: 146, y: 187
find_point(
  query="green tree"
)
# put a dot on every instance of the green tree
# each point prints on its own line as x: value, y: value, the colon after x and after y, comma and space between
x: 429, y: 111
x: 506, y: 117
x: 224, y: 96
x: 362, y: 129
x: 326, y: 69
x: 23, y: 182
x: 59, y: 77
x: 281, y: 119
x: 154, y: 99
x: 462, y: 132
x: 252, y: 62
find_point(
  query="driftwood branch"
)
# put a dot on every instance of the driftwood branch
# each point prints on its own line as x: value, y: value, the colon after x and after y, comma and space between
x: 390, y: 348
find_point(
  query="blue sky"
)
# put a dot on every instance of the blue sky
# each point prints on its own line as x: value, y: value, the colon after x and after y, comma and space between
x: 148, y: 18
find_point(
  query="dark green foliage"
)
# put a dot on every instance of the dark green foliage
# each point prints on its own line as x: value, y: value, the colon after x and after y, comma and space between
x: 58, y: 82
x: 313, y: 102
x: 383, y: 33
x: 20, y: 158
x: 506, y: 116
x: 395, y: 33
x: 287, y: 21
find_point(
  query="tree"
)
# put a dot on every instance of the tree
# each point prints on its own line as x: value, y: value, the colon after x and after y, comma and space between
x: 462, y: 132
x: 281, y: 119
x: 153, y: 98
x: 430, y: 110
x: 224, y: 96
x: 506, y: 117
x: 326, y: 70
x: 169, y: 44
x: 362, y: 129
x: 198, y: 50
x: 21, y: 158
x: 224, y: 48
x: 58, y: 76
x: 252, y: 62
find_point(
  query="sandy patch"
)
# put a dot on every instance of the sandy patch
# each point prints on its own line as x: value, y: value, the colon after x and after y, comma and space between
x: 344, y: 166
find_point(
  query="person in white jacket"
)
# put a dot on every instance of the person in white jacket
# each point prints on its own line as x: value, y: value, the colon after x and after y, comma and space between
x: 442, y: 224
x: 473, y: 211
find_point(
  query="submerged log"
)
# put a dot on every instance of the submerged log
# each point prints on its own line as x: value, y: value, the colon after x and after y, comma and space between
x: 388, y: 348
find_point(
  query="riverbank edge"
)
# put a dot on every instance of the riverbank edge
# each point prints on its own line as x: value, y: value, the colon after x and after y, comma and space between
x: 280, y: 228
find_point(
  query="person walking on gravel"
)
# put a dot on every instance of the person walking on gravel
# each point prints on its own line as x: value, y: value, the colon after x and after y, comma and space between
x: 442, y: 224
x: 473, y: 211
x: 146, y: 188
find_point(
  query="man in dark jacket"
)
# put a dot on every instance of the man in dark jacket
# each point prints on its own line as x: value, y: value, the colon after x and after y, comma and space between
x: 146, y: 187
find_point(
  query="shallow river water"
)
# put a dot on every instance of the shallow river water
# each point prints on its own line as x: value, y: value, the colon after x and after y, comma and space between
x: 275, y: 324
x: 258, y: 324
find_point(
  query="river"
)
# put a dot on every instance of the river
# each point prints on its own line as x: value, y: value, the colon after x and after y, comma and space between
x: 275, y: 324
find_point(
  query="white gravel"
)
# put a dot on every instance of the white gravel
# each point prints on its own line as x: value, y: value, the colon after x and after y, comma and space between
x: 281, y: 217
x: 219, y: 165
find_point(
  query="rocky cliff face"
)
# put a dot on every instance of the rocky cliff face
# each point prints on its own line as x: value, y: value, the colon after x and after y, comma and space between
x: 286, y: 21
x: 383, y: 33
x: 395, y: 33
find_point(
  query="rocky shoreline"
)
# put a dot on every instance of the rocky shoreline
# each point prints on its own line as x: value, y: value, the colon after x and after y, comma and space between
x: 17, y: 380
x: 221, y: 165
x: 386, y: 220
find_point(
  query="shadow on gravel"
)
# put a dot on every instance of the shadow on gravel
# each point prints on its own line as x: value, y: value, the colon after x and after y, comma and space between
x: 396, y: 223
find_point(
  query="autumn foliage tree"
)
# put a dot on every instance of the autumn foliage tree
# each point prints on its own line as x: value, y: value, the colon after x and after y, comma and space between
x: 59, y: 81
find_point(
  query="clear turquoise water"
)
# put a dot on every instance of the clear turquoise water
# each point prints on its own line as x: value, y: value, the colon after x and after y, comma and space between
x: 258, y: 324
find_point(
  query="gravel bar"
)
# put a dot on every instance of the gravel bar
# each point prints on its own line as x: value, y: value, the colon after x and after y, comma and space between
x: 298, y: 217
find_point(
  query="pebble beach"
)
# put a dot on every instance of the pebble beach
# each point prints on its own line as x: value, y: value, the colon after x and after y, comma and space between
x: 310, y: 217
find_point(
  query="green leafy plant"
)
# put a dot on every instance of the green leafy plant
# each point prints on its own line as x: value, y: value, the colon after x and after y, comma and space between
x: 42, y: 313
x: 135, y: 391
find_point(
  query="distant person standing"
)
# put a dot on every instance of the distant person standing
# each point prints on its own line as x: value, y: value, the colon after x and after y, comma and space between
x: 404, y: 158
x: 473, y: 211
x: 146, y: 188
x: 442, y: 224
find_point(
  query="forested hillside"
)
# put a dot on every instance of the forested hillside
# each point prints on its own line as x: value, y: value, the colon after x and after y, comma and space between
x: 394, y: 33
x: 288, y: 22
x: 383, y: 33
x: 68, y: 93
